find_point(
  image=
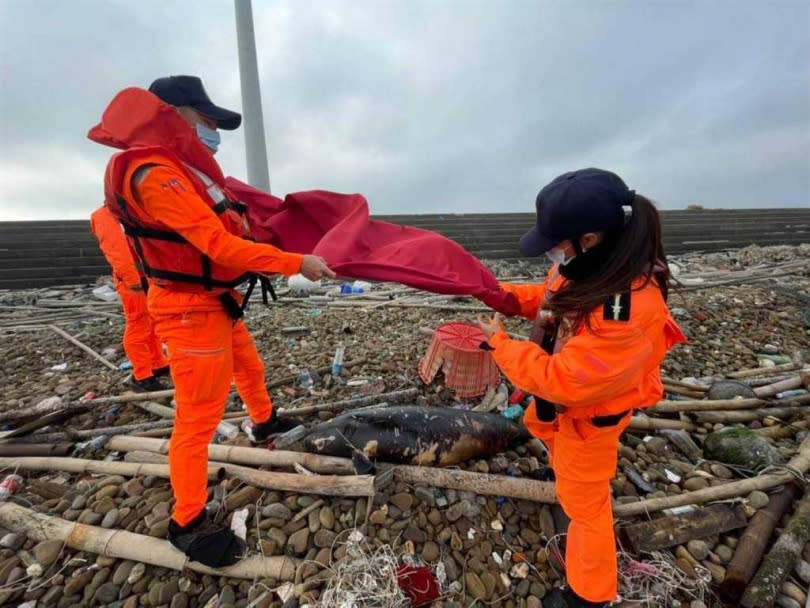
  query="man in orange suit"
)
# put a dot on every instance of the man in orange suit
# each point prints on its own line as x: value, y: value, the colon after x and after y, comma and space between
x: 141, y: 345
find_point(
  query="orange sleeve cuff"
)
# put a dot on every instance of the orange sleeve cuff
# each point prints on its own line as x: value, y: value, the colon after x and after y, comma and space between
x: 499, y: 338
x: 292, y: 264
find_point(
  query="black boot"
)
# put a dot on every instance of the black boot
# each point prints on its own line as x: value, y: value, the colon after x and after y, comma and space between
x: 259, y: 432
x: 209, y: 543
x: 161, y: 372
x: 147, y: 384
x: 565, y: 598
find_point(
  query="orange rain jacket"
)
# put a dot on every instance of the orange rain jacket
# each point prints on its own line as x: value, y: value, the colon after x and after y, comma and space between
x: 606, y: 370
x: 188, y: 233
x: 114, y: 246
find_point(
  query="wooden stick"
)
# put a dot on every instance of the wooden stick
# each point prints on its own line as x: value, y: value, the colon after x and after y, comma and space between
x: 752, y: 544
x: 687, y: 385
x: 644, y: 423
x: 478, y: 483
x: 240, y: 455
x: 785, y: 385
x: 157, y: 409
x: 674, y: 407
x: 762, y: 371
x: 327, y: 485
x: 35, y: 449
x: 782, y: 431
x: 781, y: 559
x: 97, y: 432
x: 730, y: 417
x: 800, y: 463
x: 666, y: 532
x: 121, y: 544
x: 392, y: 397
x: 679, y: 390
x: 83, y: 346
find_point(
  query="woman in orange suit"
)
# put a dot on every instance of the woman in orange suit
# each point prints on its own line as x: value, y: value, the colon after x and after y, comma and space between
x: 602, y: 329
x: 141, y: 345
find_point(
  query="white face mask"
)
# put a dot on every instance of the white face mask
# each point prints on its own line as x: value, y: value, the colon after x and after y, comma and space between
x: 208, y: 136
x: 557, y: 255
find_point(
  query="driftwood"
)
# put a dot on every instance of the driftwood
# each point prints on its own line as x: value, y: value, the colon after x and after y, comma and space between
x: 674, y: 407
x: 762, y: 371
x: 392, y: 397
x: 780, y: 560
x: 240, y: 455
x: 799, y: 463
x: 121, y: 544
x: 782, y: 431
x: 35, y: 449
x: 674, y: 530
x: 733, y: 416
x: 683, y: 391
x: 72, y: 435
x: 769, y: 390
x: 752, y: 544
x: 157, y: 409
x: 42, y: 421
x: 692, y: 386
x: 82, y: 465
x: 327, y: 485
x: 478, y: 483
x: 83, y: 346
x: 645, y: 423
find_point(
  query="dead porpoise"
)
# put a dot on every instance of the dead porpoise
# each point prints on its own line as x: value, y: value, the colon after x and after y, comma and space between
x: 428, y: 436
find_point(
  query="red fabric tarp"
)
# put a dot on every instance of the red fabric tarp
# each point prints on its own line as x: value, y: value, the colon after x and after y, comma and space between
x: 338, y: 228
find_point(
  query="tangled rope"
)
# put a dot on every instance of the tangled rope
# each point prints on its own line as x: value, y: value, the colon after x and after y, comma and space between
x: 365, y: 578
x: 657, y: 581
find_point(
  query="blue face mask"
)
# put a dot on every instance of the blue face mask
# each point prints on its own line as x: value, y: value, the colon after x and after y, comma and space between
x: 209, y: 137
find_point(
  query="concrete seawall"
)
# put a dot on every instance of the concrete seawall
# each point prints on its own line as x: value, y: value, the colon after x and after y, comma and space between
x: 62, y: 252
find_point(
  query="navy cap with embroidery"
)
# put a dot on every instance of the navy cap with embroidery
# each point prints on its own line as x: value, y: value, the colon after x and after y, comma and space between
x: 575, y: 203
x: 189, y: 91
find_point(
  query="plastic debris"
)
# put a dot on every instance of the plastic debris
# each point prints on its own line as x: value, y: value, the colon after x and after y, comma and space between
x: 239, y: 523
x: 9, y: 485
x: 125, y: 366
x: 337, y: 360
x: 227, y: 430
x: 59, y: 367
x: 105, y: 293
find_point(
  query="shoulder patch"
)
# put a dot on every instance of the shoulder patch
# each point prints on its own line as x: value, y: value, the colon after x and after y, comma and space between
x: 617, y: 307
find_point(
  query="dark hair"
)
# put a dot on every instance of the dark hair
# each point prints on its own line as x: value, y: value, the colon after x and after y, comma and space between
x: 637, y: 251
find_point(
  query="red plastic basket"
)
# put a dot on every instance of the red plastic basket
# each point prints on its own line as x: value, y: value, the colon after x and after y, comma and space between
x: 454, y: 350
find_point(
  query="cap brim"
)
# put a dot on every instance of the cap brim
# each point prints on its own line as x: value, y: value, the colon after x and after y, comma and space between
x: 533, y: 243
x: 226, y: 119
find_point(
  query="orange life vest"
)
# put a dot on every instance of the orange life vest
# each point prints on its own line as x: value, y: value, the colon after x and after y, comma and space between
x: 152, y: 133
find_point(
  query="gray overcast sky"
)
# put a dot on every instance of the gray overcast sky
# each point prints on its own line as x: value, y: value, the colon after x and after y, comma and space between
x: 430, y: 106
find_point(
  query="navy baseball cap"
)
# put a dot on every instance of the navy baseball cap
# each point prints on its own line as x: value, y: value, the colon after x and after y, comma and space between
x: 588, y: 200
x: 189, y: 91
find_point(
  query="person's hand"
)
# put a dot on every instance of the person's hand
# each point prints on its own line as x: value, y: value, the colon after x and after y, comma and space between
x: 492, y: 326
x: 314, y: 267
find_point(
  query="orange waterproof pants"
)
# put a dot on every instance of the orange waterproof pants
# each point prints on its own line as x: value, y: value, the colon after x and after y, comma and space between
x: 140, y: 342
x: 206, y: 351
x: 584, y: 459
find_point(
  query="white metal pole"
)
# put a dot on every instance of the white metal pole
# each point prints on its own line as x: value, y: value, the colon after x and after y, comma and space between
x: 255, y: 147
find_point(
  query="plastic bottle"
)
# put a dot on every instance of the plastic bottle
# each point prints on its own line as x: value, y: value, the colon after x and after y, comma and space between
x: 337, y: 361
x: 227, y: 430
x: 9, y: 486
x: 305, y: 379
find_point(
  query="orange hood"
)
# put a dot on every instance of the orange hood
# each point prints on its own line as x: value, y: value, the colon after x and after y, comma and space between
x: 136, y: 118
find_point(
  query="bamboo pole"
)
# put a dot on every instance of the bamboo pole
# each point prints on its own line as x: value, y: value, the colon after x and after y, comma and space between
x: 73, y: 435
x: 685, y: 392
x: 800, y: 463
x: 762, y: 371
x: 769, y: 390
x: 751, y: 547
x: 103, y: 467
x: 693, y: 386
x: 782, y: 431
x: 121, y: 544
x: 391, y: 397
x: 780, y: 560
x: 733, y: 416
x: 83, y: 346
x: 674, y: 407
x: 645, y: 423
x: 35, y: 449
x: 157, y: 409
x: 241, y: 455
x: 326, y: 485
x: 478, y: 483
